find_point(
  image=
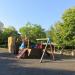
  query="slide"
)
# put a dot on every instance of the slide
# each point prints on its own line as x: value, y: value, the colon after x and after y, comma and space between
x: 22, y: 53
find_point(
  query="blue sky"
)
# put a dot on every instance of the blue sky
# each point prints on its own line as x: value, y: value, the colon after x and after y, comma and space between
x: 44, y: 12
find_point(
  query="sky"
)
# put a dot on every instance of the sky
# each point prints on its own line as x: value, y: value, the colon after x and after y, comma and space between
x: 44, y: 12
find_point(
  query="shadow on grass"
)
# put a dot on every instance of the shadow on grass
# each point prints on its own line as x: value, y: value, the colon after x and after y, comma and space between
x: 12, y: 67
x: 6, y: 54
x: 59, y: 57
x: 36, y: 71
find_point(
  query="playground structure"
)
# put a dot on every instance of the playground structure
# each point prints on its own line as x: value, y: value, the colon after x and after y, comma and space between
x: 46, y: 45
x: 38, y: 51
x: 29, y: 52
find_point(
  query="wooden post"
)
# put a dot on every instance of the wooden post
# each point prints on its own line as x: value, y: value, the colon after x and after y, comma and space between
x: 11, y: 44
x: 28, y: 44
x: 72, y: 53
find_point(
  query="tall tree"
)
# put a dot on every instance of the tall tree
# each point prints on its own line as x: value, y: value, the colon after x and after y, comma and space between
x: 7, y: 31
x: 57, y: 33
x: 32, y: 31
x: 69, y: 24
x: 1, y: 26
x: 63, y: 33
x: 1, y: 29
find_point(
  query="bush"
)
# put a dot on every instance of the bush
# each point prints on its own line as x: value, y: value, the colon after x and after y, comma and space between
x: 3, y: 46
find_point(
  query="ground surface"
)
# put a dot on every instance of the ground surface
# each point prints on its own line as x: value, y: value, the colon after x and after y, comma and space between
x: 9, y: 65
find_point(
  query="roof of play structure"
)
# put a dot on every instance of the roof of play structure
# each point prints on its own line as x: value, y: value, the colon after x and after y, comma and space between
x: 41, y: 39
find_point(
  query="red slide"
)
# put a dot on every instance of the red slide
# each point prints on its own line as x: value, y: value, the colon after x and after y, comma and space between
x: 22, y: 53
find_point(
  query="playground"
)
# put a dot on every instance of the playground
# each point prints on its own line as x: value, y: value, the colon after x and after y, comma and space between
x: 37, y: 37
x: 42, y: 60
x: 9, y: 65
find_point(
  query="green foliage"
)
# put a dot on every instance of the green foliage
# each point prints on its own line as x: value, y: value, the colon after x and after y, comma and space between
x: 1, y: 29
x: 63, y: 33
x: 8, y: 31
x: 57, y: 33
x: 1, y: 26
x: 32, y: 31
x: 69, y: 24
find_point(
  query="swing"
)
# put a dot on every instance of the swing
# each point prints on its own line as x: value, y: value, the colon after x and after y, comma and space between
x: 45, y: 48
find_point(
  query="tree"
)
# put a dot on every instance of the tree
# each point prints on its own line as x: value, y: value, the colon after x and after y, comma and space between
x: 7, y: 31
x: 57, y: 33
x: 1, y: 26
x: 33, y: 31
x: 69, y: 24
x: 1, y: 29
x: 63, y: 33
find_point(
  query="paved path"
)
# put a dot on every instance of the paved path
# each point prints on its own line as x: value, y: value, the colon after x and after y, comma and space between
x: 9, y: 65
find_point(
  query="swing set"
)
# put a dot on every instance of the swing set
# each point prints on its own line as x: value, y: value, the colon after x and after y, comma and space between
x: 47, y: 44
